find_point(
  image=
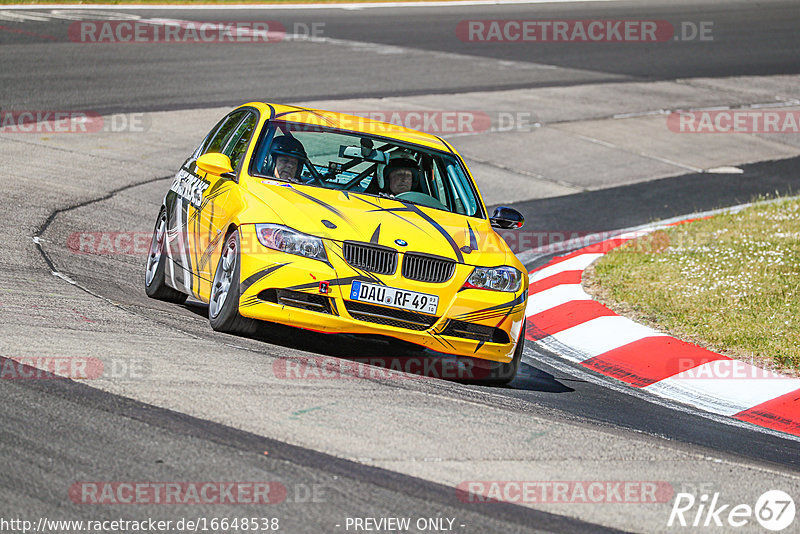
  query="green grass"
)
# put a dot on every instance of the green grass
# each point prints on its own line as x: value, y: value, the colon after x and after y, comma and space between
x: 730, y: 283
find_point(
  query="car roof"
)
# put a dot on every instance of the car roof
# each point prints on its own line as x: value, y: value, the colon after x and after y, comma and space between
x: 351, y: 123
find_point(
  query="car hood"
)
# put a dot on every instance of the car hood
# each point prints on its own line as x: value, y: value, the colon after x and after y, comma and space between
x: 343, y: 216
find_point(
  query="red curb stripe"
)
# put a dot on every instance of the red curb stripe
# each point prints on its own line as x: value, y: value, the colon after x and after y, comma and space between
x: 563, y: 316
x: 602, y: 247
x: 564, y: 277
x: 781, y: 413
x: 651, y: 359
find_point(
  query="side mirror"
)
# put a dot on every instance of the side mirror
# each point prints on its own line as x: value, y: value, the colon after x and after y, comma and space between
x: 506, y: 218
x: 216, y: 164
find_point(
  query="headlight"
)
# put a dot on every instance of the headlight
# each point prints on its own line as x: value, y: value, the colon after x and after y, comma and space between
x: 495, y: 278
x: 285, y: 239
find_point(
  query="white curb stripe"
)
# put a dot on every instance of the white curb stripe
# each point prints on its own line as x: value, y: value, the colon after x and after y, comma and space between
x: 577, y: 263
x: 724, y: 396
x: 721, y: 388
x: 601, y: 335
x: 555, y: 296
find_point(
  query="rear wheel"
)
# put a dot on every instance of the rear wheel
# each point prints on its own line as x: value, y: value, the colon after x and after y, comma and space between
x: 154, y: 284
x: 223, y: 303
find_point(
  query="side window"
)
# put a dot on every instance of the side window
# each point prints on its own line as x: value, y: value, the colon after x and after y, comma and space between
x: 200, y: 150
x: 464, y: 202
x: 440, y: 188
x: 220, y: 137
x: 237, y: 144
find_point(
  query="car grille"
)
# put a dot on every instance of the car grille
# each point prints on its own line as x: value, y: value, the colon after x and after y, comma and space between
x: 389, y: 316
x: 297, y: 299
x: 425, y: 268
x: 478, y: 332
x: 371, y: 258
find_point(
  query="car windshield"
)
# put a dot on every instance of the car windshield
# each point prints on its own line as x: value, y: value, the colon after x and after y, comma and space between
x: 364, y: 163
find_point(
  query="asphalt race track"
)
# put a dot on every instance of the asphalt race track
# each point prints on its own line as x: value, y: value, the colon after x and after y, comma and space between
x: 183, y: 403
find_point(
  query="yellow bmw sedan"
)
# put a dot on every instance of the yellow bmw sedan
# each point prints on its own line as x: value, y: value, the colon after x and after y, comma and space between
x: 340, y: 224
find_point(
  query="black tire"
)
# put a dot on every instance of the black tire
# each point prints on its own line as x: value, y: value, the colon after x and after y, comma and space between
x: 154, y: 283
x: 502, y: 374
x: 224, y: 316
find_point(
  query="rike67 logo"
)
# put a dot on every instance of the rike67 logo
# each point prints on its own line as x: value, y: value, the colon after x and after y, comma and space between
x: 774, y: 510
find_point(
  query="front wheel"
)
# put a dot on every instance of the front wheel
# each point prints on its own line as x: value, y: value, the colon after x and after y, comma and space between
x: 503, y: 373
x: 223, y: 303
x: 154, y: 284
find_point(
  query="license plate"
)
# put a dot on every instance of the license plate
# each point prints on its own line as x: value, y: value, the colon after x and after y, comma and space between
x: 396, y: 298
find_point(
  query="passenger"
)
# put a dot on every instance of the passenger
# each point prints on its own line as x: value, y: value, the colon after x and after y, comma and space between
x: 286, y: 157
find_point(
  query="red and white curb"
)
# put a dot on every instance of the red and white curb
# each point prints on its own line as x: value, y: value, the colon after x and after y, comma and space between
x: 564, y: 319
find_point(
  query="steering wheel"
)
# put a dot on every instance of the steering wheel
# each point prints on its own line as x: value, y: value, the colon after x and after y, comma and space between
x: 421, y: 198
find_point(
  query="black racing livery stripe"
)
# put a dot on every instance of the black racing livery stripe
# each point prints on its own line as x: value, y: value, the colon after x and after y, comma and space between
x: 438, y: 337
x: 335, y: 282
x: 215, y: 189
x: 207, y: 252
x: 263, y: 273
x: 246, y: 302
x: 487, y: 312
x: 485, y: 316
x: 391, y: 211
x: 473, y: 241
x: 321, y: 203
x: 301, y: 110
x: 440, y: 229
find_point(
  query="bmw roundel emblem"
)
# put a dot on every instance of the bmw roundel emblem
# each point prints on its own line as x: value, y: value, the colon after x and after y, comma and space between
x: 400, y: 243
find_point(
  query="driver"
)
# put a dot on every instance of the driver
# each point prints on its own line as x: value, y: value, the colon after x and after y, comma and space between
x: 286, y: 157
x: 401, y: 174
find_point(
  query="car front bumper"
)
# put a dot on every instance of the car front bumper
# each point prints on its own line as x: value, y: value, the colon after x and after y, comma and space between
x: 310, y: 294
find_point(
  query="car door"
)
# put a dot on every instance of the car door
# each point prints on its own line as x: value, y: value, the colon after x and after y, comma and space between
x: 184, y: 204
x: 221, y: 202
